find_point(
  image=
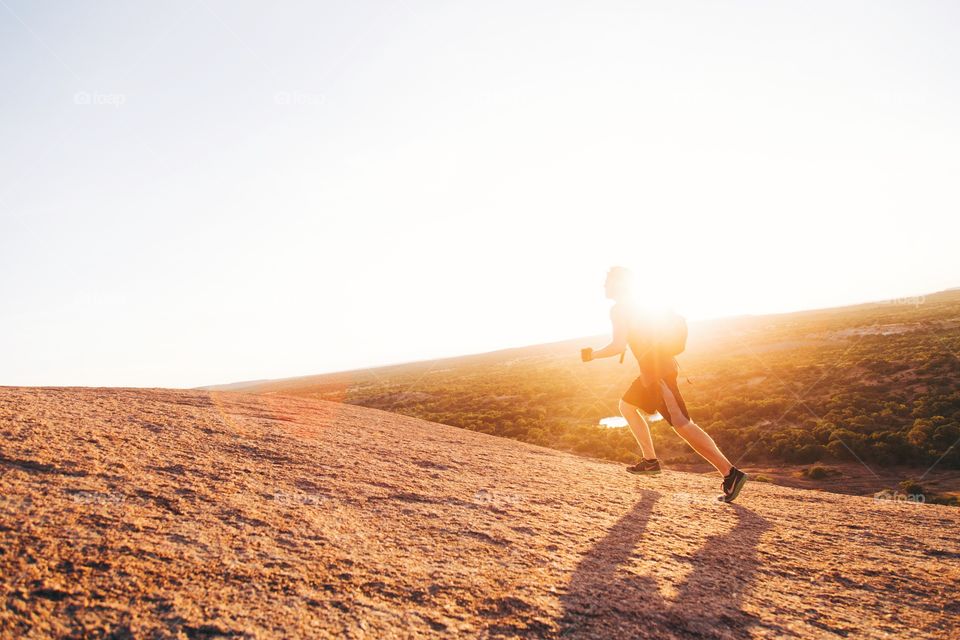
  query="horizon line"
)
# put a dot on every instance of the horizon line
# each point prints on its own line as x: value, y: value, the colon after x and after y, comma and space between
x: 212, y: 387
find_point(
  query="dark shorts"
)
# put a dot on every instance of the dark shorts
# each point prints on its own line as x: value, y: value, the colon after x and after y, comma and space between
x: 664, y: 396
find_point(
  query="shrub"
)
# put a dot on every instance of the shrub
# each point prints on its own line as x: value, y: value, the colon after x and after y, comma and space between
x: 912, y: 487
x: 806, y: 453
x: 818, y: 472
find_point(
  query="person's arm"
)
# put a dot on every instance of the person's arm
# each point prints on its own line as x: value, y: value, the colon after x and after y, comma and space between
x: 618, y: 342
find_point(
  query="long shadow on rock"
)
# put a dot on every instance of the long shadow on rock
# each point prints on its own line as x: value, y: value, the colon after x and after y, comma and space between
x: 605, y: 601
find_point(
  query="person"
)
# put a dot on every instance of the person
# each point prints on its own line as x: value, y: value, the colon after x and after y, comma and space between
x: 655, y: 389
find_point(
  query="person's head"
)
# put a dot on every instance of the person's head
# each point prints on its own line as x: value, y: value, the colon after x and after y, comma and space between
x: 619, y: 284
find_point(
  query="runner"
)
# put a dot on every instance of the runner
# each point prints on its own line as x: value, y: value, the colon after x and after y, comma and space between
x: 654, y: 340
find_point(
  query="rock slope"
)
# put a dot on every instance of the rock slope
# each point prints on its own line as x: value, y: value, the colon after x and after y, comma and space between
x: 132, y: 513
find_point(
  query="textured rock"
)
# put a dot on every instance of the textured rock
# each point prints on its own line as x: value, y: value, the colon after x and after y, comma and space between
x: 161, y: 513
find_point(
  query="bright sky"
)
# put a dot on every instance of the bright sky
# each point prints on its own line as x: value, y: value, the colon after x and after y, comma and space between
x: 198, y: 192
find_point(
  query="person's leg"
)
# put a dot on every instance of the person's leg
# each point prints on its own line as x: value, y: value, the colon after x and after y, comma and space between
x: 675, y: 410
x: 639, y: 428
x: 701, y: 442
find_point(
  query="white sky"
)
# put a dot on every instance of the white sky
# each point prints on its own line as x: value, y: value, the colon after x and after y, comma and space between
x: 200, y: 192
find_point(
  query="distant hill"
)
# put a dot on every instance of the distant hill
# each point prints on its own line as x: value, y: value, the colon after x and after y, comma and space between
x: 132, y: 513
x: 875, y: 387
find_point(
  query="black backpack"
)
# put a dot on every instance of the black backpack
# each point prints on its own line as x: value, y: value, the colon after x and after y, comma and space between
x: 673, y: 334
x: 669, y: 334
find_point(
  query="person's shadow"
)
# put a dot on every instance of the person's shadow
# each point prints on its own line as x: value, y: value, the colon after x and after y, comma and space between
x: 603, y: 601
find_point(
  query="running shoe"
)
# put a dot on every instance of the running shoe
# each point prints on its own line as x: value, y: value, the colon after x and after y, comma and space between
x: 732, y: 484
x: 645, y: 467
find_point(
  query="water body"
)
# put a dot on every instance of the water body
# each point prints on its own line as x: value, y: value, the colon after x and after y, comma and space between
x: 618, y: 422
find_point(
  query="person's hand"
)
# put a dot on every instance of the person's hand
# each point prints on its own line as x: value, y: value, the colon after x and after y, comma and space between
x: 586, y: 354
